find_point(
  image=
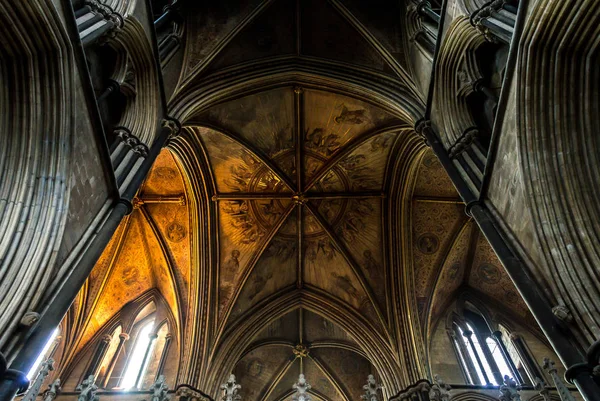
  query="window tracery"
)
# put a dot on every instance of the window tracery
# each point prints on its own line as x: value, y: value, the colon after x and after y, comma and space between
x: 482, y: 353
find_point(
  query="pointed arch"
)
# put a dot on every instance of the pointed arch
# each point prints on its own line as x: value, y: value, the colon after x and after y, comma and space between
x: 252, y: 322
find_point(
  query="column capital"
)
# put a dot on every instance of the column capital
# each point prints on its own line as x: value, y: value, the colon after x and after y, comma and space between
x: 173, y: 124
x: 420, y: 127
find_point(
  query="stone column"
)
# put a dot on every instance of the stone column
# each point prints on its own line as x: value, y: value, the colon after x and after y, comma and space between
x: 490, y: 359
x: 167, y: 46
x: 424, y: 9
x: 529, y: 363
x: 468, y: 335
x: 113, y: 361
x: 163, y: 357
x: 561, y: 388
x: 498, y: 336
x: 99, y: 22
x: 462, y: 355
x: 113, y: 87
x: 139, y: 379
x: 168, y: 15
x: 495, y: 22
x: 98, y: 356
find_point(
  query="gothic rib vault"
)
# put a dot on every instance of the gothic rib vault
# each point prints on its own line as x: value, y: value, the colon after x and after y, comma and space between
x: 295, y: 225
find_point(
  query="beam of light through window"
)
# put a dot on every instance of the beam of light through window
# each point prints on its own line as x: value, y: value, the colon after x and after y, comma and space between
x: 137, y: 358
x: 482, y: 358
x: 498, y: 357
x: 42, y: 355
x: 473, y: 357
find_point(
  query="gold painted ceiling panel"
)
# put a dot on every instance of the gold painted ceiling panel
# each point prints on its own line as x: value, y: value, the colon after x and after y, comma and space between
x: 489, y: 277
x: 150, y: 249
x: 453, y: 271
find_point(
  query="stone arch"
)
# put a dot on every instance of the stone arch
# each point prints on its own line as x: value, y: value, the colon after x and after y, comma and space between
x: 136, y: 71
x: 557, y: 126
x: 457, y: 72
x: 375, y: 349
x: 35, y: 156
x: 122, y: 7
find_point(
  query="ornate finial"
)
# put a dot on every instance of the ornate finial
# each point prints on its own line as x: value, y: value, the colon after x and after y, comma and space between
x: 540, y: 386
x: 159, y: 389
x: 34, y: 389
x: 371, y: 389
x: 440, y: 391
x: 301, y: 388
x: 562, y: 389
x: 53, y: 390
x: 88, y: 390
x: 509, y: 391
x: 549, y: 365
x: 301, y: 351
x: 230, y: 390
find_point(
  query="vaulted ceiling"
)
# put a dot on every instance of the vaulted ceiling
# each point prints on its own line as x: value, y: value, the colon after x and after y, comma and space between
x: 317, y: 233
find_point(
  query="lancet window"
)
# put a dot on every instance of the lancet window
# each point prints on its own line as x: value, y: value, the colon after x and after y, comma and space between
x: 486, y: 356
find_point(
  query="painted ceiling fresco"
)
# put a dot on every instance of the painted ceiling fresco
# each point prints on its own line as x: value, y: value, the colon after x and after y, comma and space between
x: 291, y: 204
x: 243, y: 31
x: 299, y: 181
x: 451, y: 255
x: 150, y: 250
x: 302, y: 341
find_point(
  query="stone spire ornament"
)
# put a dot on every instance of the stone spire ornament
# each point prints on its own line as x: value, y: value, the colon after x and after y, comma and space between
x: 563, y: 391
x: 371, y: 389
x: 53, y: 391
x: 540, y: 386
x: 440, y: 391
x: 159, y: 389
x: 509, y: 391
x: 88, y: 390
x: 230, y: 390
x: 301, y: 388
x: 34, y: 390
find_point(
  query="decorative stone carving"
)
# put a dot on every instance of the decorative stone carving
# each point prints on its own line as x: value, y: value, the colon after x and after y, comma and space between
x: 301, y: 388
x: 371, y: 389
x: 34, y: 390
x: 540, y: 386
x: 173, y: 124
x: 189, y: 394
x: 160, y: 389
x: 440, y: 391
x: 230, y: 390
x: 176, y: 232
x: 107, y: 12
x: 420, y: 128
x: 88, y: 390
x: 53, y: 391
x: 563, y: 313
x: 29, y: 319
x: 509, y: 391
x: 563, y: 391
x: 301, y: 351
